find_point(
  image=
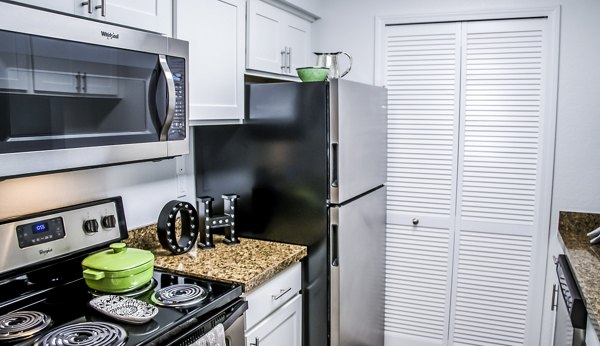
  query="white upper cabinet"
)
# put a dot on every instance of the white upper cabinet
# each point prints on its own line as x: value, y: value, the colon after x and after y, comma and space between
x: 297, y: 38
x: 215, y: 31
x: 154, y: 15
x: 277, y: 41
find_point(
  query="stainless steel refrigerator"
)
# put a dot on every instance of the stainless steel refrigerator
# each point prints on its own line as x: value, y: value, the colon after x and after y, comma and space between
x: 309, y: 166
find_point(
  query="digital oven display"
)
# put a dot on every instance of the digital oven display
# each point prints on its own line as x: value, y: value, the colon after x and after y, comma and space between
x: 39, y: 227
x: 40, y: 232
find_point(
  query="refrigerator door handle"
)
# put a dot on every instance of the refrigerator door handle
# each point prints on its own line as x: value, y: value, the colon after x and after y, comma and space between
x: 334, y: 164
x: 334, y: 246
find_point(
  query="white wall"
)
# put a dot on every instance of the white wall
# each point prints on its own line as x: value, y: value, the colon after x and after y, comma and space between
x: 145, y: 188
x: 348, y: 25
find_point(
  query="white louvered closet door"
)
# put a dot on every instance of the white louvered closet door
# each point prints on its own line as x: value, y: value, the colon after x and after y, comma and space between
x: 469, y: 157
x: 423, y: 80
x: 498, y: 268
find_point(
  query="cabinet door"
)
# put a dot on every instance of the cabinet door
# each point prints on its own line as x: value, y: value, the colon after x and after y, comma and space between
x: 296, y: 35
x: 152, y: 15
x: 215, y: 32
x: 282, y: 327
x: 61, y: 6
x: 264, y: 48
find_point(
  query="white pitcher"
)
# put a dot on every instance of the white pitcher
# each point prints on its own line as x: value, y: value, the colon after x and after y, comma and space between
x: 329, y: 60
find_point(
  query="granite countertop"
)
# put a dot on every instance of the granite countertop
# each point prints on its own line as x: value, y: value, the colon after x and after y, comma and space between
x: 250, y: 263
x: 583, y: 257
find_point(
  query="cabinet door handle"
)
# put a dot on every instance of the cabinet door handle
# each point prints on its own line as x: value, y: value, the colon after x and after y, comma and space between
x: 283, y: 53
x: 282, y: 292
x: 103, y: 7
x: 255, y: 343
x: 415, y: 221
x: 89, y: 5
x: 289, y: 54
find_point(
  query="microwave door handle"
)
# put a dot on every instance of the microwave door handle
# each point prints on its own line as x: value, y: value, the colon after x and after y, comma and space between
x: 166, y: 71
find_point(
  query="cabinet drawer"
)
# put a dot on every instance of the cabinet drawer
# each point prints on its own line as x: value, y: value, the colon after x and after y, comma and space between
x: 271, y: 295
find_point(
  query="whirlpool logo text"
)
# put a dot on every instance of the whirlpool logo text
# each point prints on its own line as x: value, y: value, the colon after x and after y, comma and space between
x: 45, y: 251
x: 109, y: 35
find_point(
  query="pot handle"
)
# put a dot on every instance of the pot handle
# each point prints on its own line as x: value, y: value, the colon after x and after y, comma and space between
x: 91, y: 274
x: 349, y: 67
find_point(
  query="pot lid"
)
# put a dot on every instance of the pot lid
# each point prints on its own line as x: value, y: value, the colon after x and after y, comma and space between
x: 118, y: 258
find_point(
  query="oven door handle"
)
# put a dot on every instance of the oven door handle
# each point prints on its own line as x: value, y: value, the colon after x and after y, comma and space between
x: 189, y: 332
x: 240, y: 308
x: 168, y: 75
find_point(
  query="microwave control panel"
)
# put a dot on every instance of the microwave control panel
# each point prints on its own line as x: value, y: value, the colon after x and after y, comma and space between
x: 177, y: 131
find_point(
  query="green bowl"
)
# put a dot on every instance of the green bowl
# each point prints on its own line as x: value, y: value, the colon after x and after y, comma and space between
x: 312, y: 74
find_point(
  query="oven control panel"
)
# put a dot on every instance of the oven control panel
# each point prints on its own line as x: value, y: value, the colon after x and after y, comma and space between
x: 40, y: 232
x: 41, y: 237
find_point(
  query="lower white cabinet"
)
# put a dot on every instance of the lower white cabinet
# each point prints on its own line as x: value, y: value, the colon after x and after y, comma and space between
x: 274, y: 315
x: 283, y: 327
x: 591, y: 337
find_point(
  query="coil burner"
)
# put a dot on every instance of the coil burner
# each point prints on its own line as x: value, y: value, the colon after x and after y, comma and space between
x: 85, y: 334
x: 22, y: 324
x: 181, y: 295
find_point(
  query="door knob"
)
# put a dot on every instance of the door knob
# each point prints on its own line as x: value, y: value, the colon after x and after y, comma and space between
x: 415, y: 221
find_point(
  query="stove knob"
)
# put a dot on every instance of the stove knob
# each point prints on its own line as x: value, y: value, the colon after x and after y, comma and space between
x: 90, y: 226
x: 109, y: 221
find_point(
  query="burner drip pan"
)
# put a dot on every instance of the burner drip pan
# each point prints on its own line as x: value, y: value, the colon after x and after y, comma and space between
x: 85, y: 334
x: 22, y: 324
x: 177, y: 296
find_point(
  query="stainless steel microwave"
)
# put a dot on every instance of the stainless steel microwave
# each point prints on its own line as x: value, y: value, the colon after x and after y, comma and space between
x: 80, y: 93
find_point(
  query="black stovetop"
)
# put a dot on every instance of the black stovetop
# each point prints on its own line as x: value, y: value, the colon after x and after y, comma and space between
x: 67, y: 303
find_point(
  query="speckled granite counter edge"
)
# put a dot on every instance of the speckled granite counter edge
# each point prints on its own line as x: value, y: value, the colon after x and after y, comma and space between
x: 583, y: 257
x: 259, y: 260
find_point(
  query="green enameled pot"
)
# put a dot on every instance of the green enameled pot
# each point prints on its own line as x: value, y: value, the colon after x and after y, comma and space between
x: 118, y: 269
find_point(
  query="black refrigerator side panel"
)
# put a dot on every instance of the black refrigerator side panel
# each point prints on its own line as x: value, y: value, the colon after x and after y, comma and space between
x: 277, y: 163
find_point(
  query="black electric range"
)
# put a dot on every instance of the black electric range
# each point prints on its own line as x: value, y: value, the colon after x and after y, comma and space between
x: 68, y: 303
x: 46, y: 298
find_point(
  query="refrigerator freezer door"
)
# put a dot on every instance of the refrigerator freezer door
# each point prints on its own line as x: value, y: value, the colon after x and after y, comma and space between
x: 357, y: 148
x: 357, y: 260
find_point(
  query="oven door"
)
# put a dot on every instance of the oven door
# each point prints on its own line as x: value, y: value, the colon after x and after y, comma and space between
x: 571, y: 314
x: 231, y: 316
